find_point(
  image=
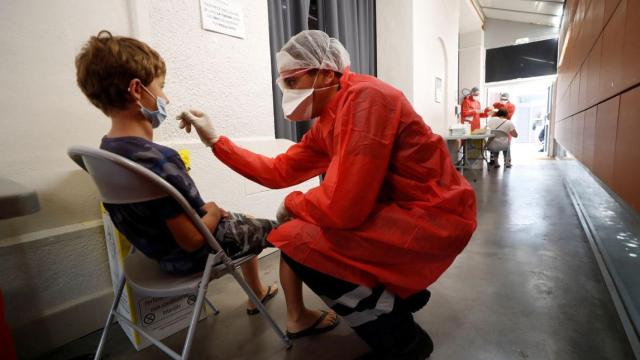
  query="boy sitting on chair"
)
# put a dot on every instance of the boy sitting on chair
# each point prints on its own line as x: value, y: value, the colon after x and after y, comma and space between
x: 124, y: 78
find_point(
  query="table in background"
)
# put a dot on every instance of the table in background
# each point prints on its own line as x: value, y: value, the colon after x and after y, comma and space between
x: 464, y: 163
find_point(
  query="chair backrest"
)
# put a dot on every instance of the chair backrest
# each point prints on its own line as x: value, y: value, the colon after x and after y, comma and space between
x: 499, y: 141
x: 122, y: 181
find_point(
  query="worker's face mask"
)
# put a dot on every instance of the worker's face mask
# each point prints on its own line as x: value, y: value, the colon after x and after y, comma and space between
x: 476, y: 97
x: 158, y: 116
x: 297, y: 104
x: 503, y: 101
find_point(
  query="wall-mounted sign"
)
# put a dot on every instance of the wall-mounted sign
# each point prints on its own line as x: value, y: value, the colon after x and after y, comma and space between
x: 438, y: 90
x: 222, y: 16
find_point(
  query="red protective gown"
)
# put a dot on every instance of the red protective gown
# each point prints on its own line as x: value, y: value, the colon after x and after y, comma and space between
x: 509, y: 107
x: 470, y: 113
x: 392, y: 209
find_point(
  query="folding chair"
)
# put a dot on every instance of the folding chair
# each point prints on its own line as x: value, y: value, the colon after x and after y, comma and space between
x: 121, y: 181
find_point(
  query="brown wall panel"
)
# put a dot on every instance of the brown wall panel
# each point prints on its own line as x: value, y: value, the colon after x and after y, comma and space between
x: 584, y: 84
x: 594, y: 20
x: 609, y: 8
x: 570, y: 9
x: 569, y: 134
x: 593, y: 84
x: 589, y: 137
x: 627, y: 155
x: 577, y: 129
x: 631, y: 59
x: 575, y: 94
x: 602, y: 61
x: 580, y: 30
x: 606, y: 127
x: 612, y: 53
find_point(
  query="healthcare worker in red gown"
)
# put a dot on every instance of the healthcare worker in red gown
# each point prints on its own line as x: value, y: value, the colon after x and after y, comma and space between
x: 471, y: 110
x: 392, y: 212
x: 505, y: 104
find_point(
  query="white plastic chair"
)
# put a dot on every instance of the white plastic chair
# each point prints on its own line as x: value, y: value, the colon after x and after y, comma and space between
x: 121, y: 181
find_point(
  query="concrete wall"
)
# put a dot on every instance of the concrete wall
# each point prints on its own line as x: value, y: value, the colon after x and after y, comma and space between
x: 413, y: 51
x: 53, y: 267
x: 499, y: 33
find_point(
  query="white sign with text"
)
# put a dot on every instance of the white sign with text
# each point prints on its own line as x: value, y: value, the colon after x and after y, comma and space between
x: 223, y: 16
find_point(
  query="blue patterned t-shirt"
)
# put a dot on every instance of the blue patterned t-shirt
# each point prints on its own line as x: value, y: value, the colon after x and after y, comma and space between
x: 144, y: 223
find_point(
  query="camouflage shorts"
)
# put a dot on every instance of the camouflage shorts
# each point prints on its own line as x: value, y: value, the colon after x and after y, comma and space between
x: 238, y: 235
x: 241, y: 234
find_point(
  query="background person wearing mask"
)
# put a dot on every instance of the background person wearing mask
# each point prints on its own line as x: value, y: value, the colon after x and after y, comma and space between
x: 501, y: 122
x: 392, y: 212
x: 505, y: 104
x: 471, y: 112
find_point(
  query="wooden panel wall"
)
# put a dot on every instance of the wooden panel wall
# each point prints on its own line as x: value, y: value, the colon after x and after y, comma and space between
x: 598, y: 91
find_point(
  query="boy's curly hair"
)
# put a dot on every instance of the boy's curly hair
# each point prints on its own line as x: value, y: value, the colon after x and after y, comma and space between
x: 106, y: 65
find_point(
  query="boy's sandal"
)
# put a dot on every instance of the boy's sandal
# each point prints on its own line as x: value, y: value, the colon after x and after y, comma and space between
x: 314, y: 329
x: 268, y: 296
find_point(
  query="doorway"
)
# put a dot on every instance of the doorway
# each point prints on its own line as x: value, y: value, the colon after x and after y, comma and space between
x: 531, y: 118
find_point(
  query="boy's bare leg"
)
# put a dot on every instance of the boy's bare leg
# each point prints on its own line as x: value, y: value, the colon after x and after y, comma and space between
x: 252, y: 277
x: 298, y: 316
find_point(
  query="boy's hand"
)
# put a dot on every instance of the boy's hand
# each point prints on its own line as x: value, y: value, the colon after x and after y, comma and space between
x: 201, y: 122
x: 213, y: 210
x: 282, y: 216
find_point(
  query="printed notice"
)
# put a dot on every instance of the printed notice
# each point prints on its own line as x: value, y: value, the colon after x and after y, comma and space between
x: 222, y: 16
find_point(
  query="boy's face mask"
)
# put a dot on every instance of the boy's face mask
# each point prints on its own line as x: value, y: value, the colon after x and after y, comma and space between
x: 158, y: 116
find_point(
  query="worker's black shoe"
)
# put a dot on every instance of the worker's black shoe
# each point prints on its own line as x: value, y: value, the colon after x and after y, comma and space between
x: 419, y: 349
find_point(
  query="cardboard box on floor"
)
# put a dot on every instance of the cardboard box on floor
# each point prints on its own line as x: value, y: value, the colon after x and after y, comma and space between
x: 160, y: 317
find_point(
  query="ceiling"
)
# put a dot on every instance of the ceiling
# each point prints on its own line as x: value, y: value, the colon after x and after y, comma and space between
x: 540, y: 12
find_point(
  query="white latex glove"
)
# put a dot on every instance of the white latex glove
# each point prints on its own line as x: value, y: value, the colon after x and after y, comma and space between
x: 283, y: 214
x: 200, y: 121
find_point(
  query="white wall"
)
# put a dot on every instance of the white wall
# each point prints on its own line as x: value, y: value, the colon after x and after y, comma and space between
x: 417, y: 41
x: 499, y: 33
x: 435, y: 45
x: 53, y: 263
x: 472, y: 60
x: 394, y: 37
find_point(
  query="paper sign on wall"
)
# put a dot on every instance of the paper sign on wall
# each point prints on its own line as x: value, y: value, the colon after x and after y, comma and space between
x: 222, y: 16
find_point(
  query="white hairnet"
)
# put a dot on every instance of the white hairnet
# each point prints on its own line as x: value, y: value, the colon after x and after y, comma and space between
x: 312, y: 49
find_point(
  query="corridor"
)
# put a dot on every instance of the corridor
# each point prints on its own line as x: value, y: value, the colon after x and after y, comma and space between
x: 526, y: 287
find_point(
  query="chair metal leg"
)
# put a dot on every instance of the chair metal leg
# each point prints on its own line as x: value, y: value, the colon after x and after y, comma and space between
x: 213, y: 308
x: 172, y: 354
x: 260, y: 306
x: 198, y: 305
x: 114, y: 307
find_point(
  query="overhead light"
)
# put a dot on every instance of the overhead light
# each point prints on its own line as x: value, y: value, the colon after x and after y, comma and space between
x: 524, y: 40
